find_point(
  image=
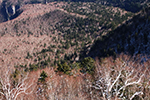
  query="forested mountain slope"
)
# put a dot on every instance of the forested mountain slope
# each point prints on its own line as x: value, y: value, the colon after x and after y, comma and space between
x: 129, y: 5
x: 9, y: 9
x: 62, y: 30
x: 130, y: 38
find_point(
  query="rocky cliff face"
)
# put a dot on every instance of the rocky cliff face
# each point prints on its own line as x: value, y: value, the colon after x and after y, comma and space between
x: 8, y: 11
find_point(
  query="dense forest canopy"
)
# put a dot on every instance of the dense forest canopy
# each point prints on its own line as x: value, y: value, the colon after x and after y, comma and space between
x: 129, y: 5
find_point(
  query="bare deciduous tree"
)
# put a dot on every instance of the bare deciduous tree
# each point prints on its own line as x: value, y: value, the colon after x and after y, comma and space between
x: 122, y: 78
x: 11, y: 91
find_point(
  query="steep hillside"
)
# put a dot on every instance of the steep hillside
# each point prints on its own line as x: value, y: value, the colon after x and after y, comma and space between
x: 56, y: 32
x: 131, y: 38
x: 129, y: 5
x: 9, y: 8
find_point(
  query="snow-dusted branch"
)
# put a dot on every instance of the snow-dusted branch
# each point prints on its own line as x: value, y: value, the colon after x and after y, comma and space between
x: 11, y: 91
x: 121, y: 79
